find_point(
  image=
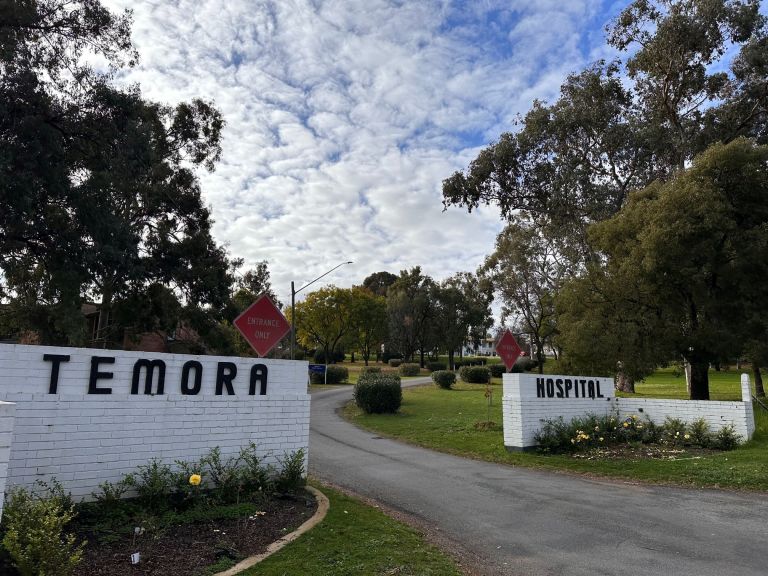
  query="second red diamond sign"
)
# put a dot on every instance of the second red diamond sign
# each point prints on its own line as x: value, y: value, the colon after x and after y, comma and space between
x: 508, y: 349
x: 262, y: 325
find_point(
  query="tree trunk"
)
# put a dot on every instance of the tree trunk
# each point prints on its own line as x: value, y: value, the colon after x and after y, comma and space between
x: 624, y: 383
x: 699, y: 380
x: 352, y: 357
x: 759, y: 390
x: 450, y: 359
x: 421, y: 357
x: 102, y: 330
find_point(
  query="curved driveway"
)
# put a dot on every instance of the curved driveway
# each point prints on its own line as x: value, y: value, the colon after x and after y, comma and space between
x: 519, y: 521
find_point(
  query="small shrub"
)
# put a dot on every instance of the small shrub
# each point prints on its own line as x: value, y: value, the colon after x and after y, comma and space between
x: 497, y: 370
x: 386, y: 356
x: 726, y: 438
x: 700, y: 434
x: 335, y: 356
x: 673, y: 433
x: 336, y: 375
x: 475, y: 374
x: 291, y: 477
x: 35, y: 534
x: 371, y: 370
x: 378, y: 393
x: 435, y: 366
x: 444, y: 378
x: 410, y: 369
x: 154, y: 482
x: 112, y: 492
x: 395, y: 362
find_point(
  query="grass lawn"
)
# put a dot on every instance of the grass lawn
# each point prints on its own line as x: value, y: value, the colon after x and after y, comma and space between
x: 355, y: 539
x: 444, y: 420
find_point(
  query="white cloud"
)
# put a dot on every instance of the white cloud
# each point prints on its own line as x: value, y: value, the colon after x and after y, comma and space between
x: 344, y: 117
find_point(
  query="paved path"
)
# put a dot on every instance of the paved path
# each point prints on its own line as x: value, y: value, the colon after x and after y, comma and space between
x: 519, y: 521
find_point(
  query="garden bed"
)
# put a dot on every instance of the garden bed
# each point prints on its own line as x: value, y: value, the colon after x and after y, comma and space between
x: 202, y: 547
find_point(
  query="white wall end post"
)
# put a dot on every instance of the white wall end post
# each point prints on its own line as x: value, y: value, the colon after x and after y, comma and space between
x: 7, y: 414
x: 746, y: 397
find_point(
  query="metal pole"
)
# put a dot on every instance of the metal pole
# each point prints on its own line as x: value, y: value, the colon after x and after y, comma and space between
x: 293, y: 304
x: 293, y: 318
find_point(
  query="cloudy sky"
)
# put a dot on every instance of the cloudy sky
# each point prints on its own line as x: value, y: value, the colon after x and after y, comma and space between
x: 344, y: 116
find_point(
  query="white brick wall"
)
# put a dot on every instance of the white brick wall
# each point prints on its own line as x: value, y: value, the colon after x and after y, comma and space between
x: 7, y: 412
x: 524, y: 411
x: 84, y: 439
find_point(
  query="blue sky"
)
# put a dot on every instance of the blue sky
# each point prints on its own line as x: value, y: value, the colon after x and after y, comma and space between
x: 344, y: 117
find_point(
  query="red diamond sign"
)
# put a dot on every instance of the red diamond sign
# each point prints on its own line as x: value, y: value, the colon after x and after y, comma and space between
x: 508, y: 349
x: 262, y: 325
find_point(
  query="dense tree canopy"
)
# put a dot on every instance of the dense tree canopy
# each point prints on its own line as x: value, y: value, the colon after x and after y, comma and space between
x: 98, y: 194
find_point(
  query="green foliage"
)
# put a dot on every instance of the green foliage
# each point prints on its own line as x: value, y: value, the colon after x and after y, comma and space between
x: 324, y: 319
x: 336, y: 375
x: 370, y: 370
x: 153, y: 483
x: 524, y: 364
x: 395, y: 362
x: 410, y: 369
x: 112, y: 492
x: 319, y: 356
x: 292, y: 476
x: 35, y: 534
x: 497, y: 370
x: 434, y: 366
x: 726, y: 438
x: 378, y: 393
x: 700, y: 434
x: 387, y: 355
x: 444, y: 378
x: 475, y: 374
x: 674, y: 432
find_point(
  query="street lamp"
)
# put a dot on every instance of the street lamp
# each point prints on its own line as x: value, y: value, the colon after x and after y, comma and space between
x: 293, y: 303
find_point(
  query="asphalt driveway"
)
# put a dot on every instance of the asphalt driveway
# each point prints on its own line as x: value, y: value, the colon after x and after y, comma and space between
x: 512, y: 520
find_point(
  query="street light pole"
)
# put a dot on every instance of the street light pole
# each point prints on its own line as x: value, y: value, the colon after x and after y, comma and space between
x: 293, y: 303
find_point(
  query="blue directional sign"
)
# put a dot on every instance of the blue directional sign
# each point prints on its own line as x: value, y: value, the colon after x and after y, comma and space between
x: 317, y: 368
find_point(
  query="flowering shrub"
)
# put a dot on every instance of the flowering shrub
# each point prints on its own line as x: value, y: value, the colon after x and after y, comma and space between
x: 592, y: 431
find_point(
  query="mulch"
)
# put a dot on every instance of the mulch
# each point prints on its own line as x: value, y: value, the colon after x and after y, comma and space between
x: 188, y: 550
x: 645, y: 452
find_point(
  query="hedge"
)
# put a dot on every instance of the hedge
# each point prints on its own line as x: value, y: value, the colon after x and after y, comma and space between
x: 378, y: 393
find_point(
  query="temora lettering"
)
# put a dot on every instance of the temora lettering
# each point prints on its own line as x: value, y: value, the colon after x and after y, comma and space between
x: 258, y: 375
x: 149, y: 367
x: 225, y: 373
x: 55, y: 360
x: 186, y: 389
x: 95, y: 376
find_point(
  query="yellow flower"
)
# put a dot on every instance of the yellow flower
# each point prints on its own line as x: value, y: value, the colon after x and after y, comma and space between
x: 626, y: 425
x: 634, y: 417
x: 687, y: 436
x: 601, y: 438
x: 639, y: 426
x: 195, y: 479
x: 597, y: 428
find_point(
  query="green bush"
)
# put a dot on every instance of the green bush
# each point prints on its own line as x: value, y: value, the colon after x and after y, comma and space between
x: 336, y: 375
x: 292, y: 476
x: 497, y: 370
x: 153, y: 482
x: 35, y: 534
x: 673, y: 432
x: 726, y: 438
x: 524, y: 364
x: 378, y: 393
x: 386, y: 356
x: 336, y: 356
x: 444, y: 378
x: 395, y: 362
x: 475, y: 374
x: 435, y: 366
x: 371, y: 370
x: 700, y: 434
x: 410, y: 369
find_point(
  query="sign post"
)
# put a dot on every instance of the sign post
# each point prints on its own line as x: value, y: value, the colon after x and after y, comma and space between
x: 508, y: 349
x: 262, y: 325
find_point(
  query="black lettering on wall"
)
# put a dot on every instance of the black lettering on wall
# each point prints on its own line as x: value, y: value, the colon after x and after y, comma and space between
x: 539, y: 387
x: 598, y: 389
x: 591, y: 388
x: 225, y: 373
x: 583, y: 389
x: 568, y: 387
x: 198, y: 381
x: 55, y: 360
x: 93, y: 385
x: 559, y: 384
x: 550, y: 388
x: 149, y: 367
x: 258, y: 375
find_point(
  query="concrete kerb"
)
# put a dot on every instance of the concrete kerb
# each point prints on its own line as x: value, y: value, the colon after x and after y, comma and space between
x: 322, y: 509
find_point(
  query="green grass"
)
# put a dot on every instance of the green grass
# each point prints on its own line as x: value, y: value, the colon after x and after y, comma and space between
x: 444, y: 420
x: 355, y: 539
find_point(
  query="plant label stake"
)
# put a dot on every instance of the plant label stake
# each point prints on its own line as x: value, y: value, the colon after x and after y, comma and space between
x: 135, y: 557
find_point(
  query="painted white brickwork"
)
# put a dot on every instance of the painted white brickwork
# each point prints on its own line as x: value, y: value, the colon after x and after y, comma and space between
x: 7, y: 411
x: 527, y: 402
x: 84, y: 439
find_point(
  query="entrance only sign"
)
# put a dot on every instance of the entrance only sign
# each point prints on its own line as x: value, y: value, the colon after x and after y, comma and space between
x: 262, y: 325
x: 508, y: 349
